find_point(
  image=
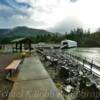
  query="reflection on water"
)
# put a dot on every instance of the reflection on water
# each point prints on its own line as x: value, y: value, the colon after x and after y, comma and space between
x: 91, y: 53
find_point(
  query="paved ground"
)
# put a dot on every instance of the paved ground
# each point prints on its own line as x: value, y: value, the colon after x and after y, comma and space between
x: 34, y: 83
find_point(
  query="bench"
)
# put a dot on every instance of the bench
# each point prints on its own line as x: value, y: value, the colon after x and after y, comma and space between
x: 13, y: 67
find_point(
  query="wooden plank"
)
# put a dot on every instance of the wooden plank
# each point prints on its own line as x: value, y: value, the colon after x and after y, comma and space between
x: 13, y: 65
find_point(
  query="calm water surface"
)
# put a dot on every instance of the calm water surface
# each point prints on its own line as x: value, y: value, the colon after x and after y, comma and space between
x: 89, y: 53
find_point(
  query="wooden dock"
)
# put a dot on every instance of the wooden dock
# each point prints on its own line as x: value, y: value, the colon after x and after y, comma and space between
x: 34, y: 83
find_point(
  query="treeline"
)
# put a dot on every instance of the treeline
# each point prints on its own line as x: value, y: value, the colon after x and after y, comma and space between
x: 49, y: 38
x: 84, y: 38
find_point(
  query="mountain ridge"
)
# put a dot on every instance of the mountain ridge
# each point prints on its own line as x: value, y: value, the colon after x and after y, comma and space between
x: 22, y: 32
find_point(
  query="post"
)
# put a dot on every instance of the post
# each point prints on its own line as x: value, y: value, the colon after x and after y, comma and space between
x: 16, y: 46
x: 91, y: 65
x: 12, y: 48
x: 30, y: 47
x: 10, y: 73
x: 20, y: 47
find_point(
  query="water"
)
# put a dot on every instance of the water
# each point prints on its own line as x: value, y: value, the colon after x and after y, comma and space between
x: 88, y: 53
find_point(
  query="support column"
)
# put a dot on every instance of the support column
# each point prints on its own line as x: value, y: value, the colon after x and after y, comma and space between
x: 20, y: 47
x: 29, y: 46
x: 16, y: 46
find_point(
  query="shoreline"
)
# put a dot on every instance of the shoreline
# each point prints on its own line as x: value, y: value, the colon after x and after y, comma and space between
x: 54, y: 73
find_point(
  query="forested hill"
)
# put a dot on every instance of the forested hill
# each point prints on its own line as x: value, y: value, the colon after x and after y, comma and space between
x: 4, y: 32
x: 7, y: 35
x: 84, y: 38
x: 22, y: 31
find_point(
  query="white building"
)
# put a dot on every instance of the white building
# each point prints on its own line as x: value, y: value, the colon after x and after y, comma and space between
x: 68, y: 44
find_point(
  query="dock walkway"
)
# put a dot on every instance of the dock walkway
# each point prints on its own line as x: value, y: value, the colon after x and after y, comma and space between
x: 34, y: 83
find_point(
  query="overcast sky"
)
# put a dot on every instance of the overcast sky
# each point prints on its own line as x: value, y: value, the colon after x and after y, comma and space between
x: 53, y: 15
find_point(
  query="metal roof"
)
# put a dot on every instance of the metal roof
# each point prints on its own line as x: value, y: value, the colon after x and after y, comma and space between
x: 18, y: 40
x: 66, y: 40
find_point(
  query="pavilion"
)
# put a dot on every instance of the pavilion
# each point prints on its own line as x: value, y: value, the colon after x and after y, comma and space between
x: 21, y: 44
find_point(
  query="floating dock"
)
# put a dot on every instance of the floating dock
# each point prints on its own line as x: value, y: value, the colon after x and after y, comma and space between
x: 34, y: 83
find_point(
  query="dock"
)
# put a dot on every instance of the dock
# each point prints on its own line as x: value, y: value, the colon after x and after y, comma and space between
x: 73, y: 76
x: 34, y: 83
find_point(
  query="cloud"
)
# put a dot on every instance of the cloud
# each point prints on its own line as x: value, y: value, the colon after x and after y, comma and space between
x: 9, y: 8
x: 73, y: 0
x: 14, y: 13
x: 30, y: 12
x: 34, y: 13
x: 3, y: 7
x: 57, y: 15
x: 66, y: 25
x: 16, y: 4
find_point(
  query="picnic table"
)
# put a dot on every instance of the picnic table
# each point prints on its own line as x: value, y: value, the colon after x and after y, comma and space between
x: 13, y: 66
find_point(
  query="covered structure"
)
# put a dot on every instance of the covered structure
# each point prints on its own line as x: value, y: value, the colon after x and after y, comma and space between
x: 68, y: 44
x: 21, y: 44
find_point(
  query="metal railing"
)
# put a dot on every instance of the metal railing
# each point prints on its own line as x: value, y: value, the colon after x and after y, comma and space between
x: 84, y: 60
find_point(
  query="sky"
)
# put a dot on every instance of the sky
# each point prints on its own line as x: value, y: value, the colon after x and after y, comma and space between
x: 52, y: 15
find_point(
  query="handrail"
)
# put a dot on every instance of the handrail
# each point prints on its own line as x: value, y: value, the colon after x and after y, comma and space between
x: 84, y: 60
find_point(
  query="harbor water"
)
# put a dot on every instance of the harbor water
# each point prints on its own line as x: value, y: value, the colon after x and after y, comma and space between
x: 88, y: 53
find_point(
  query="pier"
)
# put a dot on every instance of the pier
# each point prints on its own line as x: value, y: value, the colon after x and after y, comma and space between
x: 34, y: 83
x: 72, y: 76
x: 54, y: 74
